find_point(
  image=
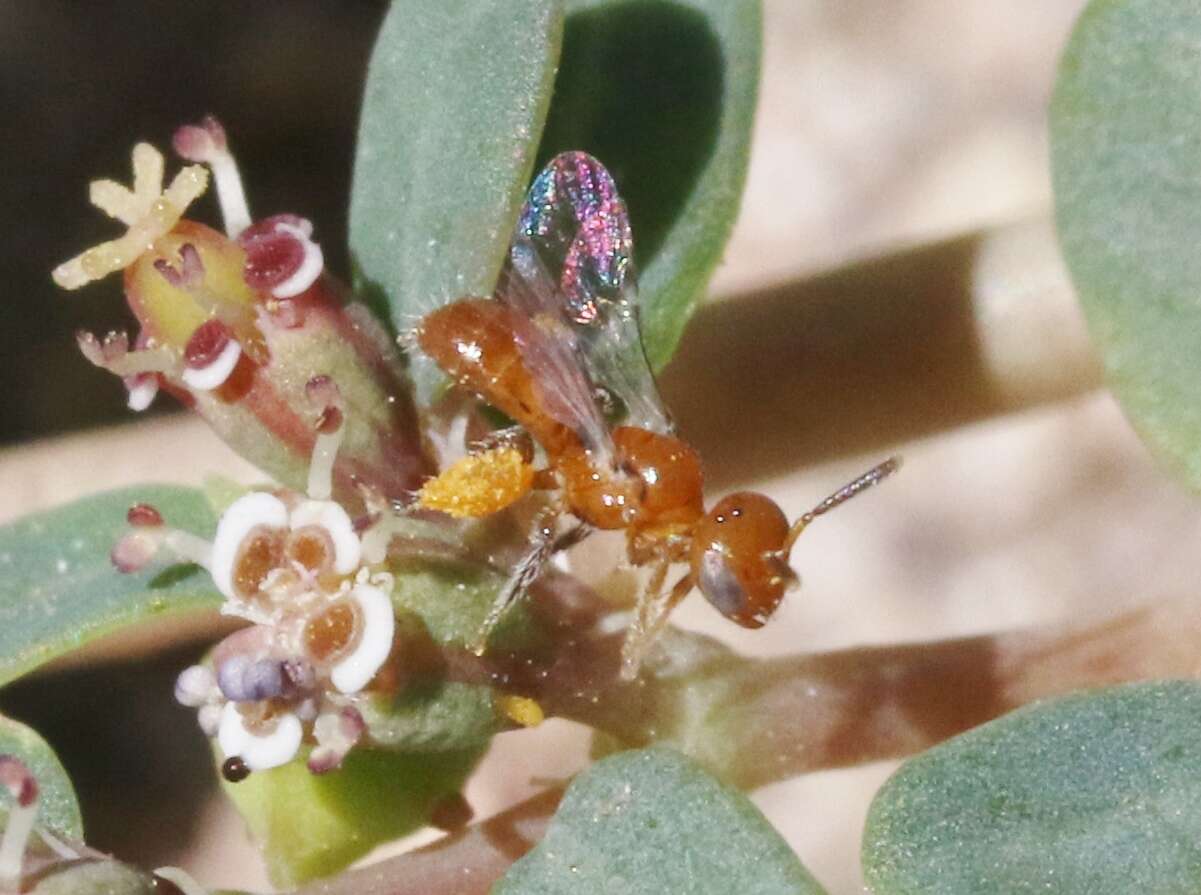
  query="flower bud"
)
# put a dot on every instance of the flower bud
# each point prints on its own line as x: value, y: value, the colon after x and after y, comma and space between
x: 237, y: 325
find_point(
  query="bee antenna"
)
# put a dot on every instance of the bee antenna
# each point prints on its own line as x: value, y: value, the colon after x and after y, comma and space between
x: 873, y: 476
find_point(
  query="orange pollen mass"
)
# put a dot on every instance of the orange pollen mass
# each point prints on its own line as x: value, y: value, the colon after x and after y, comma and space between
x: 311, y: 547
x: 478, y: 484
x: 260, y: 552
x: 328, y: 635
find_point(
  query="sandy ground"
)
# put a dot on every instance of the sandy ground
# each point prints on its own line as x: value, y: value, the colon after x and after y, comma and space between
x: 881, y: 125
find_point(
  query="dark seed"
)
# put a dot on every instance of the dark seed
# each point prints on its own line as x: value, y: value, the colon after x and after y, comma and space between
x: 234, y: 769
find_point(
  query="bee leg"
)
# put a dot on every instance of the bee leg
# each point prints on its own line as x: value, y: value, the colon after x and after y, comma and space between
x: 525, y: 572
x: 650, y: 617
x: 514, y: 437
x: 574, y: 535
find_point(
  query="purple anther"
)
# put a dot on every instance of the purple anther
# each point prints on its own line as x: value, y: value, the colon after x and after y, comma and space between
x: 190, y: 271
x: 300, y: 675
x: 243, y: 679
x: 199, y: 143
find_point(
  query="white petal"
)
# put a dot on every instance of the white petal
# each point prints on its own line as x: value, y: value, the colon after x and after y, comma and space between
x: 310, y: 268
x: 205, y: 379
x: 348, y: 549
x: 259, y: 752
x: 354, y: 672
x: 245, y: 513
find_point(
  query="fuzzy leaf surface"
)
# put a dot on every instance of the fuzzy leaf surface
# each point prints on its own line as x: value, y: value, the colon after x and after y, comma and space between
x: 664, y: 94
x: 1095, y: 793
x: 1126, y: 164
x: 652, y: 821
x: 59, y: 590
x: 456, y: 97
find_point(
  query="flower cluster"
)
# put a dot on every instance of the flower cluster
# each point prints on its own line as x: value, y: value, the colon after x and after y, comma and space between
x: 311, y: 581
x: 249, y: 329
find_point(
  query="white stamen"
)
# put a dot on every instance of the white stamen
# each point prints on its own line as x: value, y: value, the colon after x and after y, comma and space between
x: 354, y: 672
x: 321, y: 466
x: 189, y: 547
x: 259, y: 752
x: 310, y: 268
x: 142, y: 394
x: 231, y: 196
x: 17, y: 780
x: 182, y: 879
x: 205, y: 379
x: 348, y: 550
x: 206, y: 143
x: 245, y: 513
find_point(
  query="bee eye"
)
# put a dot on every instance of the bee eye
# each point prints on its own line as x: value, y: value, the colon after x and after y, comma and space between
x: 735, y: 558
x: 719, y: 584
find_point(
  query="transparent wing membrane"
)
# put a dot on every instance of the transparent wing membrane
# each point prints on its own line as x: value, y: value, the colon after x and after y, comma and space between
x: 571, y: 270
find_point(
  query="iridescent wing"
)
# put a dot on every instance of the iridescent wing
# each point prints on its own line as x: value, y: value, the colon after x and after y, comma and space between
x: 571, y: 269
x: 550, y: 351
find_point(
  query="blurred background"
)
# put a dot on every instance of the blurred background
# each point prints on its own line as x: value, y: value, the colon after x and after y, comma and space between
x: 900, y: 157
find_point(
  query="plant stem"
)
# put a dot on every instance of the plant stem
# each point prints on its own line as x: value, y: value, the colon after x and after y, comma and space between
x: 755, y: 722
x: 886, y: 350
x: 758, y: 721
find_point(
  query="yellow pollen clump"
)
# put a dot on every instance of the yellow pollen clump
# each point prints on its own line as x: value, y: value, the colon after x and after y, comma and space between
x: 147, y: 210
x: 478, y: 485
x: 521, y: 710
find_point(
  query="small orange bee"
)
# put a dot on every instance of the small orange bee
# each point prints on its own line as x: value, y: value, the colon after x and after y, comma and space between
x: 555, y: 347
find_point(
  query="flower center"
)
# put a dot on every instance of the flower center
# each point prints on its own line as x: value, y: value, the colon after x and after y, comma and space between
x: 261, y: 551
x: 330, y: 634
x: 312, y: 547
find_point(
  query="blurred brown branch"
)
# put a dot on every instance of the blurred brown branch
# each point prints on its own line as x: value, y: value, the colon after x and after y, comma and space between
x: 758, y: 721
x: 880, y: 352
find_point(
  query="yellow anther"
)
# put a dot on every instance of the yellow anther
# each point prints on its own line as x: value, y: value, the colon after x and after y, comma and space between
x: 146, y: 210
x: 479, y: 484
x: 521, y: 710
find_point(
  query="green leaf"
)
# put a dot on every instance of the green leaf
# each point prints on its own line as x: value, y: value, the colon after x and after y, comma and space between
x: 1096, y: 793
x: 312, y: 825
x: 1126, y: 160
x: 59, y: 591
x: 453, y: 601
x: 653, y: 822
x: 664, y: 95
x: 57, y: 806
x: 456, y: 96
